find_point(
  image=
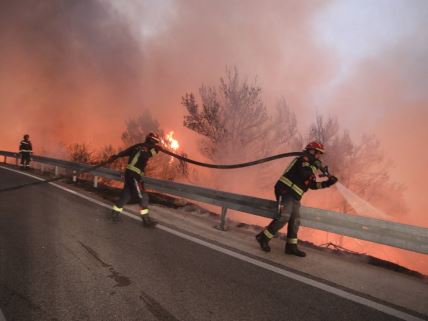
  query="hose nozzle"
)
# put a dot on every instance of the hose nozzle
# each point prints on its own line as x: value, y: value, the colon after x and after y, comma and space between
x: 324, y: 171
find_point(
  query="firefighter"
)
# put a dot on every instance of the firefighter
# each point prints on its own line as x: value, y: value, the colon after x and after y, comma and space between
x: 25, y: 149
x: 138, y: 154
x: 289, y: 189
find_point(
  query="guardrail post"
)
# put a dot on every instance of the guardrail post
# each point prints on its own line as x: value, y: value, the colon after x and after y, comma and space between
x: 42, y: 167
x: 5, y: 159
x: 56, y: 170
x: 223, y: 220
x: 95, y: 181
x: 17, y: 160
x: 74, y: 177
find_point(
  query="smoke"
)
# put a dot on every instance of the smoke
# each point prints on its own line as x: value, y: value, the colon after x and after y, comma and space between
x: 383, y: 90
x: 67, y: 70
x: 76, y: 71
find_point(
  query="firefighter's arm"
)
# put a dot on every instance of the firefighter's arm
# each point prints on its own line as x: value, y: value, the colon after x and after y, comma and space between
x: 123, y: 153
x: 151, y: 150
x: 331, y: 181
x: 318, y: 185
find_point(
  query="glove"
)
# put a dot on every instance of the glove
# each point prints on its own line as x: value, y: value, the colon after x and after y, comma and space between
x: 331, y: 181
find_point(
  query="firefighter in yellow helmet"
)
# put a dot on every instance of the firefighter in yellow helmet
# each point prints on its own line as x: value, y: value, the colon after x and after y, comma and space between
x: 138, y: 154
x: 289, y: 189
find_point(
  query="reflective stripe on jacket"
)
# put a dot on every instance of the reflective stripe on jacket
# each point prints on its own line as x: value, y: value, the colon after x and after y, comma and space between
x: 138, y: 154
x: 25, y: 146
x: 299, y: 176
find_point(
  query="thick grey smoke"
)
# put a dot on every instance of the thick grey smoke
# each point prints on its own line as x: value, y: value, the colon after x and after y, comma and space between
x: 384, y: 91
x: 79, y: 69
x: 67, y: 70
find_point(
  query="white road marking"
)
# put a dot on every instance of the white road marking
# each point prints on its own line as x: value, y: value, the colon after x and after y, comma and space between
x: 349, y: 296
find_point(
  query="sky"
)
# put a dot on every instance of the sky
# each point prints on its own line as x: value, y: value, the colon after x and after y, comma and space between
x: 76, y: 71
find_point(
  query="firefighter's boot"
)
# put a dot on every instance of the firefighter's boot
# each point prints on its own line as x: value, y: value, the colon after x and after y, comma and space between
x: 148, y: 222
x: 292, y: 249
x: 263, y: 241
x: 115, y: 216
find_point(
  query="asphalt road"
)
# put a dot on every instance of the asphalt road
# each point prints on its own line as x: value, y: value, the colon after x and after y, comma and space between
x: 61, y: 259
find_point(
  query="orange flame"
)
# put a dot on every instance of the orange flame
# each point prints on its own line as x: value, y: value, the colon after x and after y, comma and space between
x: 171, y: 142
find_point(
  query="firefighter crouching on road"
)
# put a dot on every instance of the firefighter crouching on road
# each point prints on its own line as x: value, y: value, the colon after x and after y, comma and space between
x: 25, y: 149
x: 297, y: 178
x: 138, y: 154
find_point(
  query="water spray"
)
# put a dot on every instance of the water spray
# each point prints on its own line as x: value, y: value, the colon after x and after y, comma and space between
x: 361, y: 206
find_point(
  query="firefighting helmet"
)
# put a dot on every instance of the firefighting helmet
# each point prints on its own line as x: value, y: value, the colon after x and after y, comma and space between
x: 26, y: 136
x: 315, y: 146
x: 152, y: 139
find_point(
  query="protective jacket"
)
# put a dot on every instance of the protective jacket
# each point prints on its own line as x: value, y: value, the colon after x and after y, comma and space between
x: 138, y: 154
x: 25, y: 146
x: 300, y: 175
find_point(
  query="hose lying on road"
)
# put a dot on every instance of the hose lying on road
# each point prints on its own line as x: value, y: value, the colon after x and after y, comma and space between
x: 259, y: 161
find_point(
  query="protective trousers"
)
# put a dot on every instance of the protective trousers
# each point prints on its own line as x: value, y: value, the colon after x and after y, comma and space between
x: 133, y: 186
x: 289, y: 212
x: 25, y: 159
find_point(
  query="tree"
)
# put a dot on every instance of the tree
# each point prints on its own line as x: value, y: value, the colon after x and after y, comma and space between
x: 138, y: 128
x: 282, y: 136
x: 284, y: 126
x: 105, y: 153
x: 81, y: 153
x: 360, y: 167
x: 232, y: 117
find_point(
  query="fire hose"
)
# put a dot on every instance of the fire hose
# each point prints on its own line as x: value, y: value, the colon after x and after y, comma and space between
x: 323, y: 169
x: 231, y: 166
x: 180, y: 157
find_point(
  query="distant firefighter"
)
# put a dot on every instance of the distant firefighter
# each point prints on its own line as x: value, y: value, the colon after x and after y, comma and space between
x: 25, y: 149
x: 296, y: 180
x: 138, y: 155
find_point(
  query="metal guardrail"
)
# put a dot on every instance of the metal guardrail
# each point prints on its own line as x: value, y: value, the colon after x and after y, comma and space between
x: 408, y: 237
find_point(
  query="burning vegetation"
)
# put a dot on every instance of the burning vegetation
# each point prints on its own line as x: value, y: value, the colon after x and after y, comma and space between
x: 77, y: 70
